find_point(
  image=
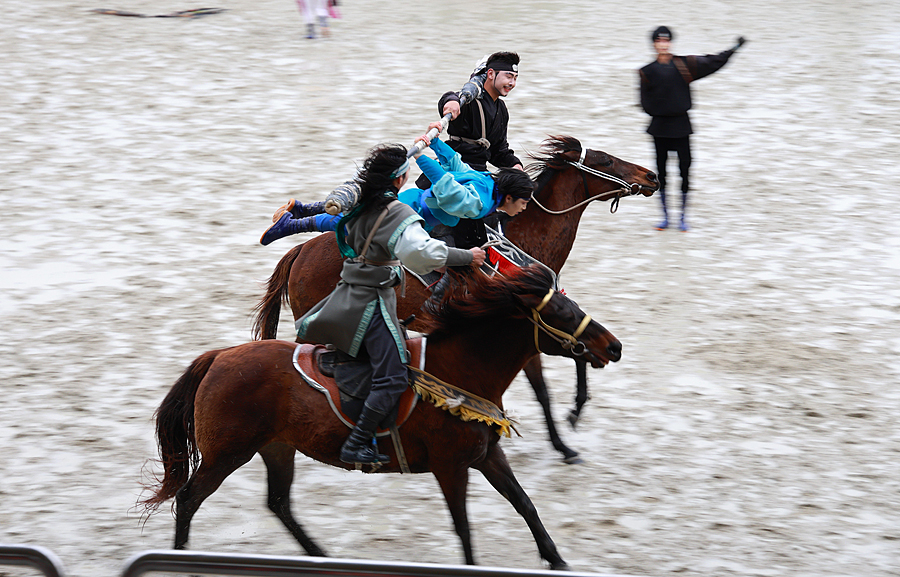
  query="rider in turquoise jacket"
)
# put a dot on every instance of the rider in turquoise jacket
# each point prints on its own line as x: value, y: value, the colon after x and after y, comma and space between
x: 458, y: 192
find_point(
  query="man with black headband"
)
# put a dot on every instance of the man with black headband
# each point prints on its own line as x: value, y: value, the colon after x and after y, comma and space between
x: 666, y: 97
x: 478, y: 129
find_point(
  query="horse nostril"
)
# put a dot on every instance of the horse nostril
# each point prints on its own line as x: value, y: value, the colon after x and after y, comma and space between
x: 615, y: 350
x: 651, y: 176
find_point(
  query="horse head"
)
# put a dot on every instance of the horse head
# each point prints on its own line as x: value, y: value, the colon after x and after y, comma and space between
x: 560, y: 327
x: 603, y: 176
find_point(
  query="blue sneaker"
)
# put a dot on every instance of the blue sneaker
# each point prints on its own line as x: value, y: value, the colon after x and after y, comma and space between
x: 683, y: 227
x: 663, y: 225
x: 286, y: 226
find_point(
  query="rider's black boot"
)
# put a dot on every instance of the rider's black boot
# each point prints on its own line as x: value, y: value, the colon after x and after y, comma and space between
x: 359, y: 448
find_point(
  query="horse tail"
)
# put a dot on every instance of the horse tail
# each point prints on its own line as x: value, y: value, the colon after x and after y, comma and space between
x: 178, y: 451
x: 268, y: 311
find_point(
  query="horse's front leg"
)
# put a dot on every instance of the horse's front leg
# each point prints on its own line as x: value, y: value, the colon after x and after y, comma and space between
x: 581, y: 391
x: 534, y: 373
x: 454, y: 483
x: 497, y: 471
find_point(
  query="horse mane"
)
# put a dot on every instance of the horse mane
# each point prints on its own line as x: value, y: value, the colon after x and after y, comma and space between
x: 479, y: 299
x: 551, y: 158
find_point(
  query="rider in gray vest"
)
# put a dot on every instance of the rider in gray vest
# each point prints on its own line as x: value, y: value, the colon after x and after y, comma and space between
x: 360, y: 315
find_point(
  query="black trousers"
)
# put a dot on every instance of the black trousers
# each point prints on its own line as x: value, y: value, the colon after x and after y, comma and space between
x: 681, y: 146
x: 389, y: 377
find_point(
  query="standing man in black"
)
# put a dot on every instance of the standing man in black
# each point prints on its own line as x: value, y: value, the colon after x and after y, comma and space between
x: 666, y: 97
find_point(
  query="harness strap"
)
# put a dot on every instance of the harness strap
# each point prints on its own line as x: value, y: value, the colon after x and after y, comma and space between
x: 483, y: 141
x: 546, y: 300
x: 398, y: 448
x: 626, y: 190
x: 584, y: 323
x: 362, y: 256
x: 565, y: 339
x: 375, y: 227
x: 683, y: 69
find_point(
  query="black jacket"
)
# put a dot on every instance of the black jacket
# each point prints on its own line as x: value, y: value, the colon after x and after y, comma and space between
x: 666, y: 94
x: 468, y: 125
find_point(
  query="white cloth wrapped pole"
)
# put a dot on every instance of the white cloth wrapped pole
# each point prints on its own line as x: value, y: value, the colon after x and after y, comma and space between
x: 470, y: 91
x: 431, y: 134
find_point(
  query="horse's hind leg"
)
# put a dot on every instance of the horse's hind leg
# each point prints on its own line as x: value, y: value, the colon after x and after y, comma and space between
x: 279, y: 459
x: 203, y: 483
x: 499, y: 474
x: 535, y: 375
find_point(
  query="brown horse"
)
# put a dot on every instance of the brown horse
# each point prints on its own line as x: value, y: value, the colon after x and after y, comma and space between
x: 232, y: 403
x: 568, y: 178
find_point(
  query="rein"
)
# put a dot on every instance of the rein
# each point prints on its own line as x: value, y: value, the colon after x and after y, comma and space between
x: 626, y: 190
x: 568, y: 341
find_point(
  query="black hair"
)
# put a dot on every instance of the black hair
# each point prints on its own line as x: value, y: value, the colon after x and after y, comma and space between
x: 661, y: 31
x: 510, y: 58
x: 374, y: 178
x: 513, y: 182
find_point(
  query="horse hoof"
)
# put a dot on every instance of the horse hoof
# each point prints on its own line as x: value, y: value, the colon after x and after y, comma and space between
x: 573, y: 419
x: 573, y: 460
x: 561, y: 566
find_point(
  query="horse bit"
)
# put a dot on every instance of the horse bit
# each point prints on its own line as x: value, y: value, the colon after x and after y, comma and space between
x: 568, y: 341
x: 630, y: 189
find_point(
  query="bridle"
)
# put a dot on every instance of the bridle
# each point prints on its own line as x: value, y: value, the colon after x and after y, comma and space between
x: 568, y: 341
x: 628, y: 189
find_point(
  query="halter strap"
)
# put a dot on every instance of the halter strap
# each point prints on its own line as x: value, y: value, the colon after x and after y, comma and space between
x: 568, y: 341
x: 626, y: 190
x: 546, y: 300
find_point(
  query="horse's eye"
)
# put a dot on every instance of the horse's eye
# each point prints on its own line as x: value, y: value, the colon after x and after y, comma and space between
x: 605, y: 160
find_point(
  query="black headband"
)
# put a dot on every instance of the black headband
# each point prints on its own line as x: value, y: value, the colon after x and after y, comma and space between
x: 502, y: 66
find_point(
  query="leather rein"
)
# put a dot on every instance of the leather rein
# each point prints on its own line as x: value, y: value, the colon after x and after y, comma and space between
x: 568, y: 341
x: 626, y: 190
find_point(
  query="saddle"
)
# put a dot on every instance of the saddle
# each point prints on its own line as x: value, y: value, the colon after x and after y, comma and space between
x: 345, y: 381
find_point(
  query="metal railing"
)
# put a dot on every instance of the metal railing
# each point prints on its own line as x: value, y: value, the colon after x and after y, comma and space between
x: 197, y: 562
x: 36, y: 557
x: 236, y: 564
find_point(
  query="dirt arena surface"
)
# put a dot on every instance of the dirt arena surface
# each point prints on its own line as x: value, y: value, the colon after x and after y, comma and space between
x: 751, y: 426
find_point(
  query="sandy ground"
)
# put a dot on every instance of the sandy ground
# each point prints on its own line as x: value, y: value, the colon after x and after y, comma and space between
x: 750, y: 428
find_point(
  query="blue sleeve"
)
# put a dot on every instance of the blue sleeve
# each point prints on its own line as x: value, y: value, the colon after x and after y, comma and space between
x: 460, y: 200
x: 450, y: 159
x: 430, y: 168
x: 327, y: 222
